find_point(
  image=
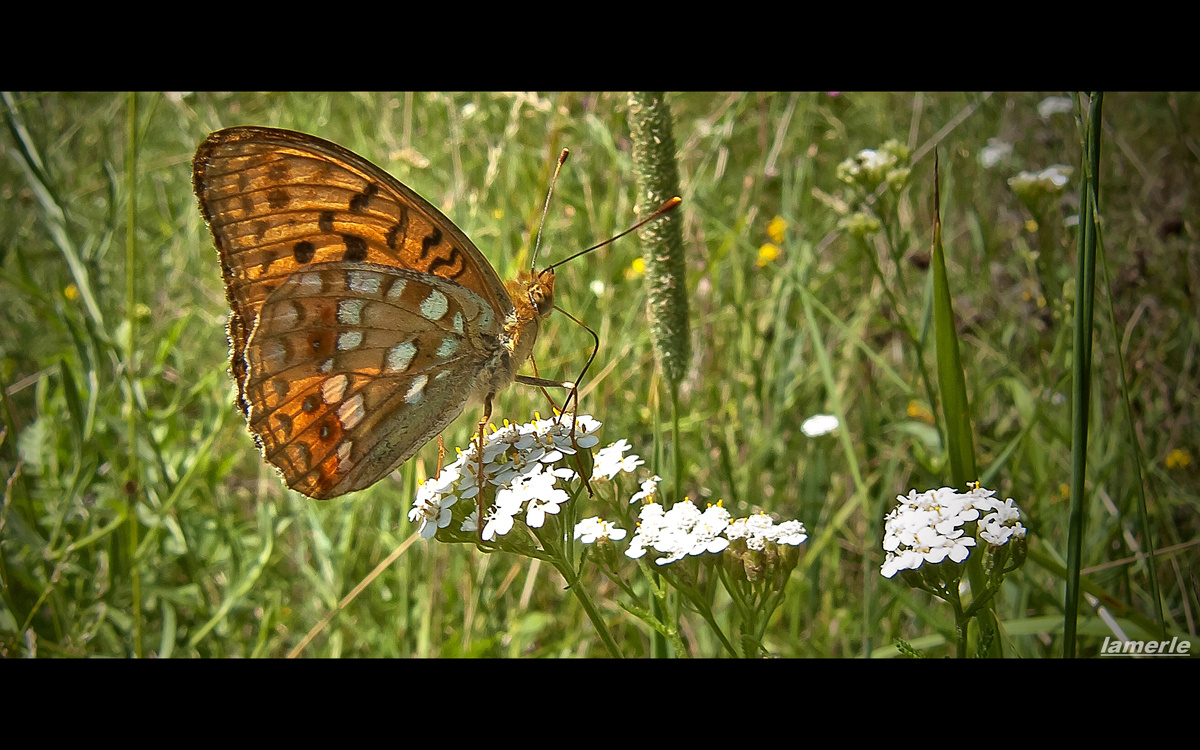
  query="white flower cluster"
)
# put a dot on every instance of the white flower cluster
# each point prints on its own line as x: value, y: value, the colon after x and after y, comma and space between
x: 927, y: 526
x: 518, y: 460
x: 1031, y: 185
x: 760, y: 528
x: 870, y: 167
x: 592, y: 529
x: 868, y: 163
x: 612, y: 460
x: 648, y: 490
x: 685, y: 530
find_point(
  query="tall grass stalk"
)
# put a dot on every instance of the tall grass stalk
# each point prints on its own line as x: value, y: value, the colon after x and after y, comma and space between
x: 133, y: 489
x: 1081, y: 370
x: 657, y: 179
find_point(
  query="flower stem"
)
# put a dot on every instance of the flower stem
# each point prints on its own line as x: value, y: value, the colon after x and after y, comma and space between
x: 564, y: 567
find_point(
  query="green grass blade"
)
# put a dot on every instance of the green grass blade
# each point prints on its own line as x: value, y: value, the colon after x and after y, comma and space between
x: 1081, y: 387
x: 952, y: 383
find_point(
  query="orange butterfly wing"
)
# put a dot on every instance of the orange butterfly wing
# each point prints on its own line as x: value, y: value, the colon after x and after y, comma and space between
x: 360, y: 315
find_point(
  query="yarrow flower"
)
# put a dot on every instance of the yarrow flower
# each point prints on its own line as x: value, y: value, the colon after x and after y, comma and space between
x: 431, y: 508
x: 790, y: 533
x: 929, y: 527
x: 592, y: 529
x: 520, y: 462
x: 872, y: 167
x: 760, y: 528
x: 681, y: 531
x: 686, y: 530
x: 541, y: 497
x: 612, y: 460
x: 649, y: 488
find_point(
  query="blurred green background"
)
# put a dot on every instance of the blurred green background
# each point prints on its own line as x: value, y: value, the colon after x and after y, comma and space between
x: 227, y: 562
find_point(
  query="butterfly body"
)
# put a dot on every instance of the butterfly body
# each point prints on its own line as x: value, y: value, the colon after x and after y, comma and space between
x: 362, y: 321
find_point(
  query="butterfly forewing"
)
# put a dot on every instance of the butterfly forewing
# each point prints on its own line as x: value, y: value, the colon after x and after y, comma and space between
x: 278, y: 201
x: 362, y: 320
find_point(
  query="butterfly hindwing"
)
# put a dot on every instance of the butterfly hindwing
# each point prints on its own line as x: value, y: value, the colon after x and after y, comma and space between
x: 352, y: 367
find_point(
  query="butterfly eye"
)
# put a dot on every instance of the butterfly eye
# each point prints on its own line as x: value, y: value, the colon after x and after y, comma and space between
x: 541, y: 292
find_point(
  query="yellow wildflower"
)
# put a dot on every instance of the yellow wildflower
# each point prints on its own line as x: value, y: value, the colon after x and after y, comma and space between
x: 775, y: 229
x: 637, y: 268
x: 918, y: 411
x: 767, y: 253
x: 1178, y: 459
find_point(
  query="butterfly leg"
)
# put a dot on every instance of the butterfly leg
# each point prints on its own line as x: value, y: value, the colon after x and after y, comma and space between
x: 441, y: 455
x: 483, y: 423
x: 574, y: 394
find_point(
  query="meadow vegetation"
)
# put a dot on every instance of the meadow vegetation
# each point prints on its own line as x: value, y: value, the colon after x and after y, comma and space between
x: 810, y: 293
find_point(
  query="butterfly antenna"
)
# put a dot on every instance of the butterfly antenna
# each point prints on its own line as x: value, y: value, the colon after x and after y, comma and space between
x: 670, y: 205
x: 537, y: 244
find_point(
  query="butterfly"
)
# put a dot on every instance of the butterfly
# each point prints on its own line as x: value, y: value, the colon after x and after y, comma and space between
x: 362, y: 321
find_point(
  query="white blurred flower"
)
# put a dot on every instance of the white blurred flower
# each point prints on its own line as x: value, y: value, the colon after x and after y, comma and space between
x: 868, y: 164
x: 870, y: 167
x: 1031, y: 185
x: 819, y: 424
x: 1057, y: 176
x: 994, y: 152
x: 1054, y: 105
